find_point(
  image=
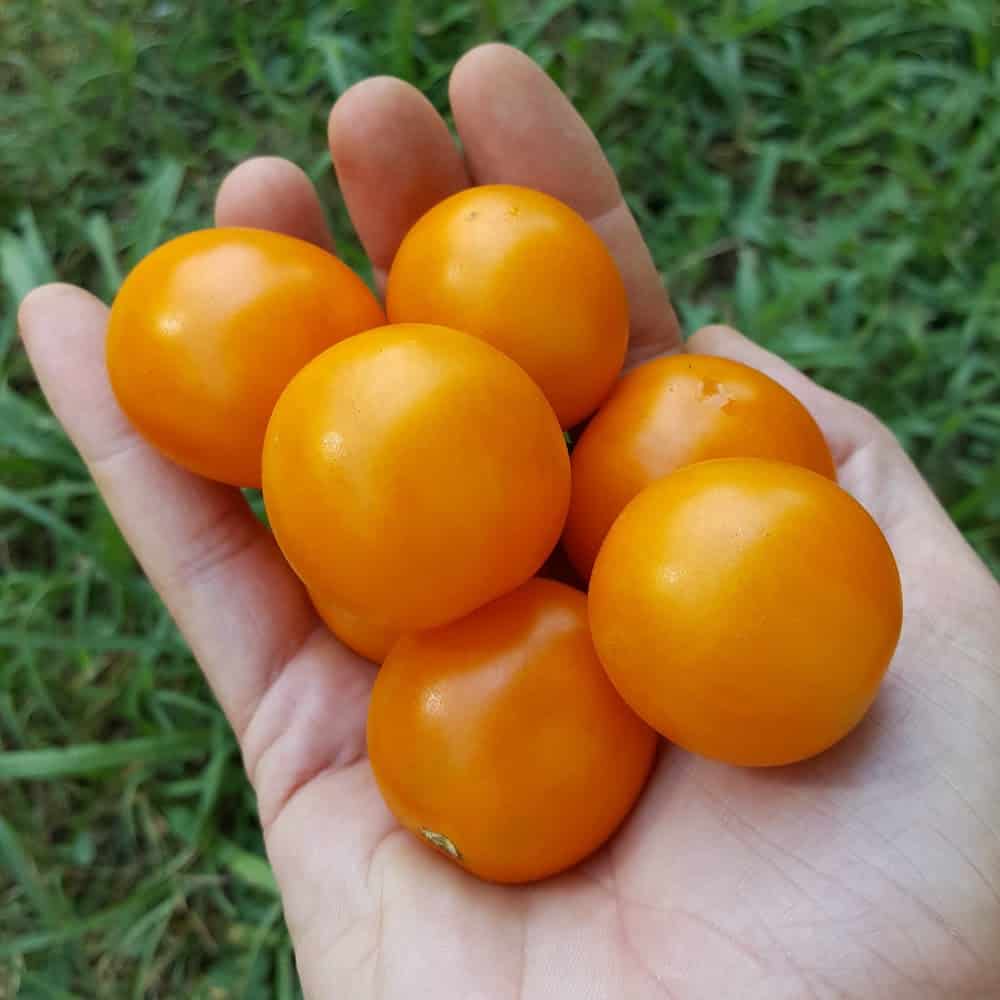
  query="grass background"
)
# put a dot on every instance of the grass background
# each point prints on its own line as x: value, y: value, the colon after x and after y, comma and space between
x: 825, y: 176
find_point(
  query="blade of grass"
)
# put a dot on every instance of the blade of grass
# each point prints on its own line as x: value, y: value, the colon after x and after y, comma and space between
x: 16, y: 861
x: 84, y: 760
x: 156, y: 203
x: 248, y: 868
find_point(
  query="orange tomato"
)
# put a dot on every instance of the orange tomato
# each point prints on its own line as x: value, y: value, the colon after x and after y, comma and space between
x: 412, y: 473
x: 672, y: 412
x: 207, y: 330
x: 527, y: 274
x: 368, y: 639
x: 746, y: 609
x: 499, y: 740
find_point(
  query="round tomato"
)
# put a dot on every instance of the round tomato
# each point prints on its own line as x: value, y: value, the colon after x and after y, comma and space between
x: 746, y: 609
x: 412, y: 473
x: 527, y: 274
x: 207, y: 330
x: 672, y: 412
x: 500, y: 740
x: 368, y: 639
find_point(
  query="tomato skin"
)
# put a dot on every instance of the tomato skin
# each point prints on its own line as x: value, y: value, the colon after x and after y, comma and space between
x: 672, y: 412
x: 527, y: 274
x: 501, y: 733
x: 412, y: 473
x: 368, y: 639
x: 207, y: 330
x: 746, y: 609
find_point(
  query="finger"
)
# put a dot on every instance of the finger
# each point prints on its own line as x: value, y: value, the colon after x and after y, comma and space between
x: 394, y: 158
x: 242, y: 610
x: 268, y: 192
x: 517, y: 127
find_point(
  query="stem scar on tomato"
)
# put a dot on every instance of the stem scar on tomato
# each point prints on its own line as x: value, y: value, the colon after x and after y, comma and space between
x: 441, y: 843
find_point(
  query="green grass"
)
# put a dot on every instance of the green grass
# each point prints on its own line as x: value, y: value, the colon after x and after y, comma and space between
x: 824, y: 176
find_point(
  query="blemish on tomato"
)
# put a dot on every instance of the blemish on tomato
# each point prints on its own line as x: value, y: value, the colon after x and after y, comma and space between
x: 715, y: 392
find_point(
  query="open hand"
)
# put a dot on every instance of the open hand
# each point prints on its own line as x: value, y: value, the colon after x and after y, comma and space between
x: 871, y: 871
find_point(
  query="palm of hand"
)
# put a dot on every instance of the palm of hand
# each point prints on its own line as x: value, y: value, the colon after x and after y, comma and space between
x: 869, y: 871
x: 873, y: 870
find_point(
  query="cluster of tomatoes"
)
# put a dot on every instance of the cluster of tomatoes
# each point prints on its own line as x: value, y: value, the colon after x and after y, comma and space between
x: 417, y: 477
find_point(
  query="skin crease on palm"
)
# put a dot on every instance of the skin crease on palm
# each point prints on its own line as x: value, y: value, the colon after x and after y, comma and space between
x: 871, y: 871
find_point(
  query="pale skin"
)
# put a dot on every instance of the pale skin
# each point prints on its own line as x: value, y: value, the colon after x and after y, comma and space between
x: 871, y: 871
